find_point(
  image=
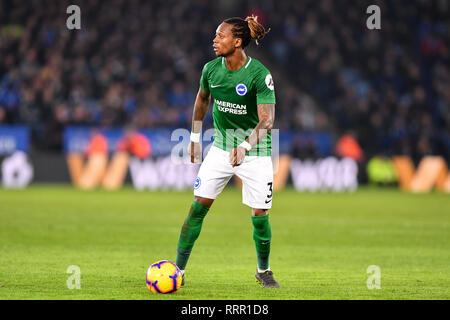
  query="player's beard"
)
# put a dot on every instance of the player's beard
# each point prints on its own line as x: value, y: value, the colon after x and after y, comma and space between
x: 221, y: 53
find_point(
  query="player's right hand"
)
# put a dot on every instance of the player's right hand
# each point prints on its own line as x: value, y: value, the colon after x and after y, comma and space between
x: 195, y: 152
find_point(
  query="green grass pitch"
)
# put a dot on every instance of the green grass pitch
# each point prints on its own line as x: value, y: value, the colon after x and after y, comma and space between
x: 322, y: 244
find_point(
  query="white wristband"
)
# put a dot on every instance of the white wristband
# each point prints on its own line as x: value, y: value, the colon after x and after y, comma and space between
x: 195, y: 137
x: 247, y: 146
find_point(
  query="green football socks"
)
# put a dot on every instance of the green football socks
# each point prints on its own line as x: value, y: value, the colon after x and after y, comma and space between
x: 262, y: 235
x: 189, y: 233
x: 193, y: 224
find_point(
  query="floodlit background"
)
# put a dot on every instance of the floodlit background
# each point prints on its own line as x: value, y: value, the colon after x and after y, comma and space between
x: 364, y: 127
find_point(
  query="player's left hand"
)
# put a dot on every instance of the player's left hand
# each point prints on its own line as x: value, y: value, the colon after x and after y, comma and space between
x: 237, y: 156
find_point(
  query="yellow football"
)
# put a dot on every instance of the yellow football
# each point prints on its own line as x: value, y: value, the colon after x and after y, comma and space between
x: 163, y: 277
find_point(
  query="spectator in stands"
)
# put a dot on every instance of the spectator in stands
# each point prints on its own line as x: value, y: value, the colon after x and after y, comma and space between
x: 390, y: 86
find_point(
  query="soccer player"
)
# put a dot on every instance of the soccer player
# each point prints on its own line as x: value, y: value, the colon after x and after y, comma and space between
x: 243, y: 113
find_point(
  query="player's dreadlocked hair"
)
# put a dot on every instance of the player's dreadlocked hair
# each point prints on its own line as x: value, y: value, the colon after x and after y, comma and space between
x: 247, y: 29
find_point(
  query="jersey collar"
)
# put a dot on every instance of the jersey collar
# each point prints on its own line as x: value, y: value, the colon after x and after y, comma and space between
x: 245, y: 66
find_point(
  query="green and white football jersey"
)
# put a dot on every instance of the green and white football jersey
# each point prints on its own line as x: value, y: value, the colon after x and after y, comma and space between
x: 236, y: 94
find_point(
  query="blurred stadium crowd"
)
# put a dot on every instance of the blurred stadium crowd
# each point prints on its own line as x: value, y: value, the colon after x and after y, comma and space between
x: 139, y: 62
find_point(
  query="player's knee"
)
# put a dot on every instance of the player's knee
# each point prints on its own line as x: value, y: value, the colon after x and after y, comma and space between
x: 204, y: 201
x: 259, y: 212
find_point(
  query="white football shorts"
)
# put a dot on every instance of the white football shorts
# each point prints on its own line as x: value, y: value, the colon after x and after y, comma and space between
x: 255, y: 172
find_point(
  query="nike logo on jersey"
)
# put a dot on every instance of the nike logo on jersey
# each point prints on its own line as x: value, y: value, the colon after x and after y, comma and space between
x: 215, y: 86
x: 267, y: 201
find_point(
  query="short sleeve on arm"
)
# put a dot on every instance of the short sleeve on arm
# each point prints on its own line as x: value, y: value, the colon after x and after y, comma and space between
x: 204, y: 79
x: 265, y: 89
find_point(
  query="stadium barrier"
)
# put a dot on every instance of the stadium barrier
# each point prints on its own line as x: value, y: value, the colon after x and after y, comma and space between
x: 447, y: 184
x: 94, y: 171
x: 281, y: 175
x: 97, y: 170
x: 329, y: 174
x: 116, y: 172
x: 17, y: 172
x: 404, y: 167
x: 381, y: 171
x: 162, y: 173
x: 109, y: 164
x: 432, y: 172
x: 16, y: 169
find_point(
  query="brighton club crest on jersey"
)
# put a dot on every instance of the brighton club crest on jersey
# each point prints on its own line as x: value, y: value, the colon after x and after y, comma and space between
x: 241, y: 89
